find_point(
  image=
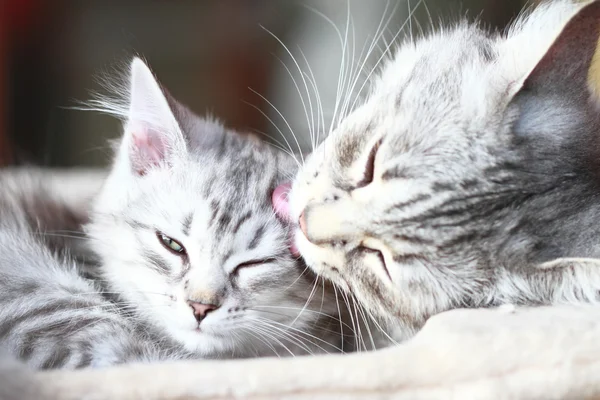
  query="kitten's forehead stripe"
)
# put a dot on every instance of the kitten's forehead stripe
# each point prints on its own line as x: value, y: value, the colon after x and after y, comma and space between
x: 241, y: 221
x: 214, y: 211
x: 223, y: 222
x: 187, y: 223
x: 258, y: 234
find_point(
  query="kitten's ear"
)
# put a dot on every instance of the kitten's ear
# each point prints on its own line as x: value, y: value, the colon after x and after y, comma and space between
x: 152, y: 136
x: 571, y: 66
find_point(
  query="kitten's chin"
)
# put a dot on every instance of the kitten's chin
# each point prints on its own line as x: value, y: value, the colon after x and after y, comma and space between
x: 201, y: 342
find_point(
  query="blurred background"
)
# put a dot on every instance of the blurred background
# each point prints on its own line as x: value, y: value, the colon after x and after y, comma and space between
x: 232, y: 58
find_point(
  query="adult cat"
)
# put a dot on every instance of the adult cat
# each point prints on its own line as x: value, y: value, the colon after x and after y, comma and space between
x: 192, y: 261
x: 469, y: 177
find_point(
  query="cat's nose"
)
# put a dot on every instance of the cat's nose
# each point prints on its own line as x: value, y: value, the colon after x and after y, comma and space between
x: 201, y: 310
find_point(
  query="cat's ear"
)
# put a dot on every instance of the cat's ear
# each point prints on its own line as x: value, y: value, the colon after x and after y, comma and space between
x: 152, y: 135
x: 571, y: 65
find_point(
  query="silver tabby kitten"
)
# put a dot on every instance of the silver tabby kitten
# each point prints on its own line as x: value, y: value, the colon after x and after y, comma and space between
x: 469, y: 177
x: 192, y: 260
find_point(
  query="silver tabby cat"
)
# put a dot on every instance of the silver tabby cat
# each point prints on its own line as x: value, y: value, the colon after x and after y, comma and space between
x: 469, y: 177
x: 191, y: 258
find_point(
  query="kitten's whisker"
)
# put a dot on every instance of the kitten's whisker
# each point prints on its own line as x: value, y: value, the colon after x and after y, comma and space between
x: 321, y: 314
x: 303, y: 81
x: 367, y: 327
x: 269, y: 334
x: 310, y: 296
x: 297, y: 279
x: 259, y: 337
x: 387, y: 49
x: 278, y: 130
x: 299, y: 94
x: 66, y: 231
x: 301, y: 332
x: 284, y: 335
x: 278, y: 145
x: 59, y: 235
x: 337, y: 303
x: 383, y: 23
x: 285, y: 121
x: 383, y: 331
x: 311, y: 79
x: 355, y: 326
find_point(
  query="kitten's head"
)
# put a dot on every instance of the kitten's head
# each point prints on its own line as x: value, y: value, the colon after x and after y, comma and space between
x: 188, y: 238
x: 472, y: 160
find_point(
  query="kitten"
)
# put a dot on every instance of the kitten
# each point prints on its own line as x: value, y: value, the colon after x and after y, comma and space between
x: 469, y: 177
x: 192, y: 260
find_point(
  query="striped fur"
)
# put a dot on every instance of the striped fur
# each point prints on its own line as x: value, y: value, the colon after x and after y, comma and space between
x: 469, y: 177
x: 123, y: 297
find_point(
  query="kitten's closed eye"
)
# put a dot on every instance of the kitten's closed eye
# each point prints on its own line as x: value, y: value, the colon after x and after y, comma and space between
x: 369, y: 167
x: 252, y: 263
x: 171, y: 244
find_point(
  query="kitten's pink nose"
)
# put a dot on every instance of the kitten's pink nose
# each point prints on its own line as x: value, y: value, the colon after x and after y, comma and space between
x: 200, y: 309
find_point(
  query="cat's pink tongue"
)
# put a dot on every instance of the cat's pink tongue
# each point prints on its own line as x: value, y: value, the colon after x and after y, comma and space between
x: 281, y: 206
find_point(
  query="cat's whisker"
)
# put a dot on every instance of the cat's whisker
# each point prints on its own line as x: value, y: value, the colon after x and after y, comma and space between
x: 309, y: 100
x: 259, y: 336
x: 278, y: 145
x: 359, y: 307
x: 322, y: 294
x: 379, y: 32
x: 66, y: 231
x: 289, y: 72
x: 337, y: 304
x: 260, y: 328
x: 310, y: 296
x: 278, y: 130
x: 386, y: 51
x: 286, y: 336
x: 302, y: 332
x: 342, y: 47
x: 314, y: 136
x: 383, y: 331
x: 304, y: 271
x: 59, y: 235
x: 300, y: 336
x: 321, y: 314
x: 355, y: 325
x: 285, y: 121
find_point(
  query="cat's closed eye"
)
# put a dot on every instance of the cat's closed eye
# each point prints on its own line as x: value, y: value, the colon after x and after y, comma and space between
x: 368, y: 175
x: 252, y: 263
x: 171, y: 244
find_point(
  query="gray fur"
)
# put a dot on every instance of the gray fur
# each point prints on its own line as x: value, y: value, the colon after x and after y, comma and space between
x: 486, y: 183
x: 208, y: 188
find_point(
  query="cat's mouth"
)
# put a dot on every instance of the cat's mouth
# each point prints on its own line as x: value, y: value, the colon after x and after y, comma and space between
x: 281, y: 205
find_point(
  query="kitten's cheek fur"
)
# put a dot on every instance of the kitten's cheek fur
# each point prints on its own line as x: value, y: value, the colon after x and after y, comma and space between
x: 319, y: 259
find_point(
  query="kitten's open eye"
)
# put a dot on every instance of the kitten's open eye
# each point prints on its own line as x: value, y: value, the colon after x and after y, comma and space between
x: 171, y: 244
x: 379, y: 255
x: 252, y: 263
x: 369, y: 167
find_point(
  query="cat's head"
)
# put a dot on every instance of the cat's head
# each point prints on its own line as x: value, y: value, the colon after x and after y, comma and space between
x: 188, y: 238
x: 470, y: 162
